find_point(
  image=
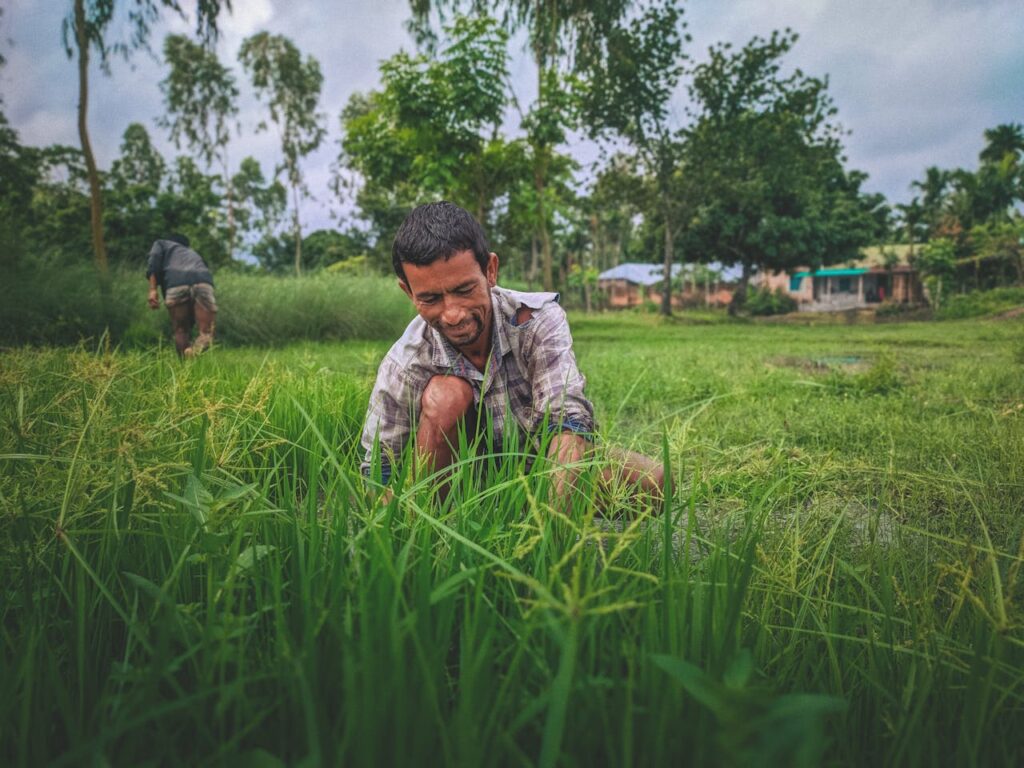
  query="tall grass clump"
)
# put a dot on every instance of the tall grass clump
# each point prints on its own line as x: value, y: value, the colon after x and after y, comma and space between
x: 270, y: 310
x: 43, y: 304
x: 63, y: 305
x: 196, y: 573
x: 980, y: 303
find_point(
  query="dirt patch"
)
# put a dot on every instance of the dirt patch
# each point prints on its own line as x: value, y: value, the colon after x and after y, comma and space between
x: 823, y: 364
x: 1010, y: 314
x: 840, y: 317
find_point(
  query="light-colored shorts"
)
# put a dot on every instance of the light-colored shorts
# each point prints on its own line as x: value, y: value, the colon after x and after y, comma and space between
x: 200, y: 293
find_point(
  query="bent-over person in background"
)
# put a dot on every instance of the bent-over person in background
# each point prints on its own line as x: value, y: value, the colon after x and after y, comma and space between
x: 475, y: 343
x: 187, y: 285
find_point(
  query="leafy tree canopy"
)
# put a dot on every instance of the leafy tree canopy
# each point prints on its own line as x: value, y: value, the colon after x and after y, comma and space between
x: 431, y: 131
x: 764, y: 154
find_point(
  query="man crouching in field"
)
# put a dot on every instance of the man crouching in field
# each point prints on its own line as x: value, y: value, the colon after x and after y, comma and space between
x: 187, y: 285
x: 474, y: 342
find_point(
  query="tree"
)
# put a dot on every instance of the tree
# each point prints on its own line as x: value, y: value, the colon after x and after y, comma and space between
x: 259, y: 204
x: 1000, y: 179
x: 432, y: 129
x: 554, y: 27
x: 201, y: 99
x: 59, y: 225
x: 911, y: 217
x: 933, y: 188
x: 764, y: 155
x: 938, y: 263
x: 20, y: 173
x: 1003, y: 140
x: 291, y: 87
x: 191, y: 204
x: 132, y: 218
x: 84, y: 31
x: 630, y: 74
x: 998, y: 253
x: 140, y: 164
x: 616, y: 201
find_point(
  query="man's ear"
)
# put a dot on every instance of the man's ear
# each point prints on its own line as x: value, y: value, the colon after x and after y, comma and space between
x: 492, y: 270
x: 405, y: 287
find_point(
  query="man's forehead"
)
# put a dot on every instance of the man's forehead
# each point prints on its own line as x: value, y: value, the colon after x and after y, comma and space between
x: 459, y: 268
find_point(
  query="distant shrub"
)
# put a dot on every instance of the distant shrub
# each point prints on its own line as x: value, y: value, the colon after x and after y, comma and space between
x: 980, y: 303
x: 891, y: 309
x: 881, y: 378
x: 765, y: 302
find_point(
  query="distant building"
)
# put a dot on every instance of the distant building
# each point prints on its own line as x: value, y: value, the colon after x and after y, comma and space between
x: 631, y: 284
x: 858, y: 284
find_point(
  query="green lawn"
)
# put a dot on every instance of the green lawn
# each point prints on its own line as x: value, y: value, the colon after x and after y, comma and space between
x: 193, y: 571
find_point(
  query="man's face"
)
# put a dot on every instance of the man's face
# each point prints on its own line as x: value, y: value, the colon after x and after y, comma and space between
x: 454, y: 296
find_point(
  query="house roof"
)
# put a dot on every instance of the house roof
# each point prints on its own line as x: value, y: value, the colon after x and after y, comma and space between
x: 841, y: 272
x: 872, y: 259
x: 874, y: 256
x: 641, y: 274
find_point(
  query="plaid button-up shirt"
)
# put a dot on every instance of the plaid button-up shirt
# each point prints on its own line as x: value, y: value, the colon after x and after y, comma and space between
x: 530, y: 376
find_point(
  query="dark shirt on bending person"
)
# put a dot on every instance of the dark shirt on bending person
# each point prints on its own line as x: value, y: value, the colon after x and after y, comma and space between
x: 175, y: 264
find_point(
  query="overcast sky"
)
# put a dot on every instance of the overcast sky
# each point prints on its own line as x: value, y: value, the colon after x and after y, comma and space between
x: 916, y: 82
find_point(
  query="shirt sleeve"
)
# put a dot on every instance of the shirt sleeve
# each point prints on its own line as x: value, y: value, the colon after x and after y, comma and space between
x: 555, y: 380
x: 155, y: 262
x: 389, y: 418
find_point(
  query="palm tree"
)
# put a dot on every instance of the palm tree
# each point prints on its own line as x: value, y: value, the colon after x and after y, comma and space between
x: 933, y: 188
x: 911, y: 217
x: 1005, y: 139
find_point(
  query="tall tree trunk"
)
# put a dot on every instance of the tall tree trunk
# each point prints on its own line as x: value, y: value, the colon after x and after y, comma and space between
x: 297, y: 230
x: 666, y: 291
x: 99, y: 247
x: 739, y: 296
x: 588, y: 301
x: 531, y: 276
x: 540, y: 175
x: 231, y: 221
x: 539, y: 181
x: 229, y: 190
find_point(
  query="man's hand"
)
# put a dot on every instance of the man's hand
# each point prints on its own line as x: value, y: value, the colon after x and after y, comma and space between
x: 154, y: 299
x: 566, y: 450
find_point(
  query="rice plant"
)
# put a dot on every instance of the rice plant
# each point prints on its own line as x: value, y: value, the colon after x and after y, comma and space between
x: 196, y: 573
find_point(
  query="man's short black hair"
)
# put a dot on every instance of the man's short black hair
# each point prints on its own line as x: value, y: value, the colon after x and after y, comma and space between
x: 438, y: 231
x: 179, y: 239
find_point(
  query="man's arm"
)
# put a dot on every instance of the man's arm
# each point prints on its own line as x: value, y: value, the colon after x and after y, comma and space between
x: 559, y: 400
x: 154, y: 266
x: 388, y: 421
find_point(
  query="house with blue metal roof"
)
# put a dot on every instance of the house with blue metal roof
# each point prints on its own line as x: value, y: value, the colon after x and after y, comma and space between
x: 632, y: 284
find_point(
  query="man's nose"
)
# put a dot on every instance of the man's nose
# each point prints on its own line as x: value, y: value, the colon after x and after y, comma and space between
x: 453, y: 313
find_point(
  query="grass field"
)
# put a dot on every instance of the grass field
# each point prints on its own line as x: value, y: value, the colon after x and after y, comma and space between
x: 193, y: 572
